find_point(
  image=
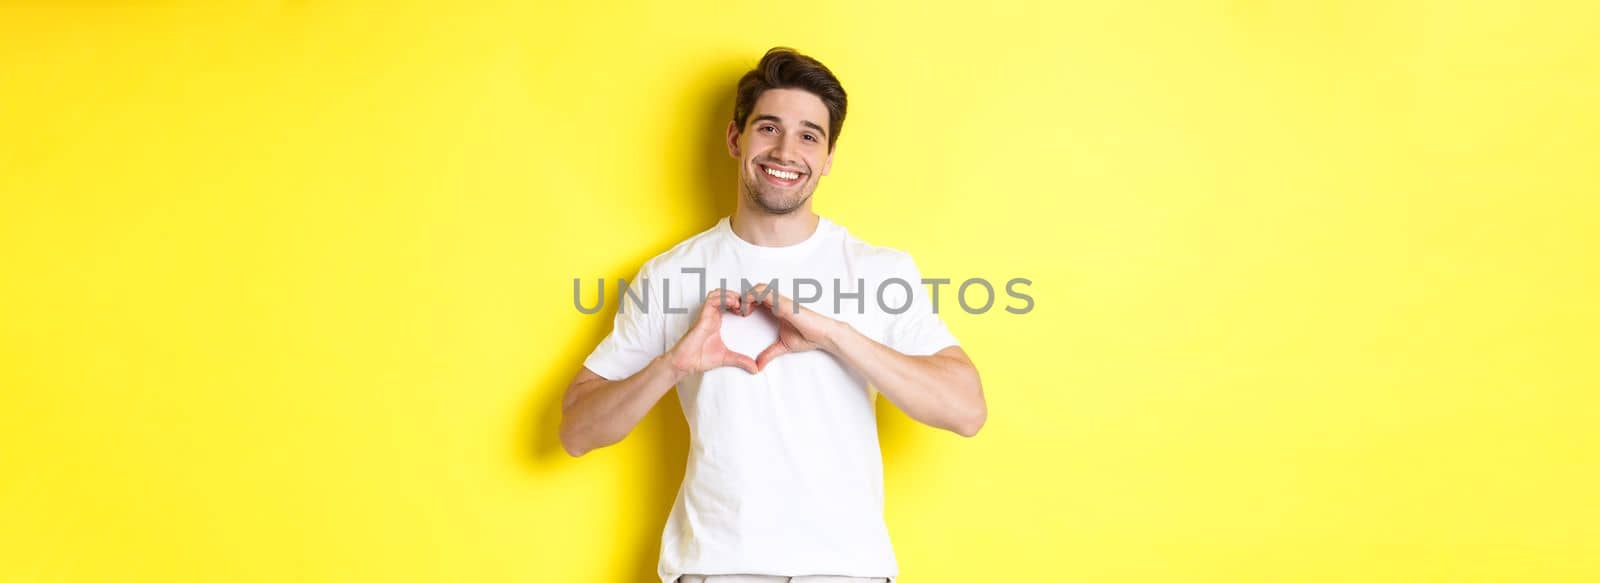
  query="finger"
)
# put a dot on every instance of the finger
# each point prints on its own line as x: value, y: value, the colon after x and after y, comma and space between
x: 761, y: 294
x: 730, y: 301
x: 778, y: 303
x: 711, y: 307
x: 713, y: 300
x: 777, y: 349
x: 755, y: 295
x: 748, y: 364
x: 719, y: 300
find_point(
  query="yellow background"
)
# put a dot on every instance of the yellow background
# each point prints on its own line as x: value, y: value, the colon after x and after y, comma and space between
x: 285, y: 287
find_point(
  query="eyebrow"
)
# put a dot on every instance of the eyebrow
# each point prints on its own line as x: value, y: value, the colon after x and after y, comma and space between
x: 774, y: 118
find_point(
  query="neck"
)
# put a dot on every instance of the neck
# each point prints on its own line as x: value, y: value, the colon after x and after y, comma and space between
x: 769, y: 230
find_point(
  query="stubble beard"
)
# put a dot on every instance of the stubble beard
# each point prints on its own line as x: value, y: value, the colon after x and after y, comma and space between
x: 773, y: 200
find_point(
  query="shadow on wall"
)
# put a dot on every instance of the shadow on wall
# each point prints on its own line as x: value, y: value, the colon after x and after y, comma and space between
x: 663, y: 431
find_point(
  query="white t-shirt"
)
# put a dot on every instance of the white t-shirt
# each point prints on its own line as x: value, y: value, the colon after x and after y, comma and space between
x: 784, y: 475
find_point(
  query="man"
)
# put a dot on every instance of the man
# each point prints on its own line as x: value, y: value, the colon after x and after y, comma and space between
x: 784, y: 479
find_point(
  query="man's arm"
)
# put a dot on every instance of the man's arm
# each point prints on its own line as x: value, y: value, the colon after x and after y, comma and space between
x: 597, y: 412
x: 942, y: 389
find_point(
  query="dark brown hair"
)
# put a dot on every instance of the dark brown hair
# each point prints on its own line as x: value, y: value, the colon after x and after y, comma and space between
x: 786, y: 68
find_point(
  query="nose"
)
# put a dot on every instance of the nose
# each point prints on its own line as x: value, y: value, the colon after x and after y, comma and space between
x: 782, y: 151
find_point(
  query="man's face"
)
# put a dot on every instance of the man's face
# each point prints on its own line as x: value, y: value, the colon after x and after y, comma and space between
x: 782, y: 151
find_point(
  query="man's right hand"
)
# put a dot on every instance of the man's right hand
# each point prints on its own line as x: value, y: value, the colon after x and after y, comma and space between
x: 701, y: 348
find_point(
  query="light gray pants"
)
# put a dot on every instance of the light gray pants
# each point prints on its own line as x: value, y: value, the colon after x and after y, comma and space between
x: 778, y: 579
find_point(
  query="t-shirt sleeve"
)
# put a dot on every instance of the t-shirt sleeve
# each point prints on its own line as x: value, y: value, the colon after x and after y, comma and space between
x: 637, y: 336
x: 917, y: 331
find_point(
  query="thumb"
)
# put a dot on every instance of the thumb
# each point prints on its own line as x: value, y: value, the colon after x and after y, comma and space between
x: 776, y: 350
x: 741, y: 361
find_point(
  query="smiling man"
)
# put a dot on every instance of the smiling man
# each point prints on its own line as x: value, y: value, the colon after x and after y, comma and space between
x: 784, y: 481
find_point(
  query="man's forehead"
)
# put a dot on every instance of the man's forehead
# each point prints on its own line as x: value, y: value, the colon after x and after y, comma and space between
x: 791, y: 106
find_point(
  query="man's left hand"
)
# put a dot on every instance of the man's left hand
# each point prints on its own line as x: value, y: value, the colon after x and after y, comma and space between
x: 799, y: 328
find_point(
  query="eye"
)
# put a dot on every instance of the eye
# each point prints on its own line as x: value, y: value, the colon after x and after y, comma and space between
x: 811, y: 137
x: 765, y: 128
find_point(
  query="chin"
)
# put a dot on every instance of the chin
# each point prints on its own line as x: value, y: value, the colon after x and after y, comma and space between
x: 782, y: 206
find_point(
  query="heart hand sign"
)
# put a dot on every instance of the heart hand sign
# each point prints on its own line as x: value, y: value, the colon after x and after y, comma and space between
x: 751, y: 333
x: 731, y: 327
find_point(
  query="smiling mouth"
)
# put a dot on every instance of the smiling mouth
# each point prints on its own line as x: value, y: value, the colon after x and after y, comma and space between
x: 780, y: 176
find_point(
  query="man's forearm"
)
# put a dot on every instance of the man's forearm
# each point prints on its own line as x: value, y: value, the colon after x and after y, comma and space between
x: 607, y: 414
x: 939, y: 390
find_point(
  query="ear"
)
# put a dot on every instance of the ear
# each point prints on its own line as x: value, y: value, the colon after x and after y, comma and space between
x: 733, y: 140
x: 827, y: 164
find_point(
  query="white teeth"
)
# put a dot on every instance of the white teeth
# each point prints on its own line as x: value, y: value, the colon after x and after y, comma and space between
x: 782, y: 174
